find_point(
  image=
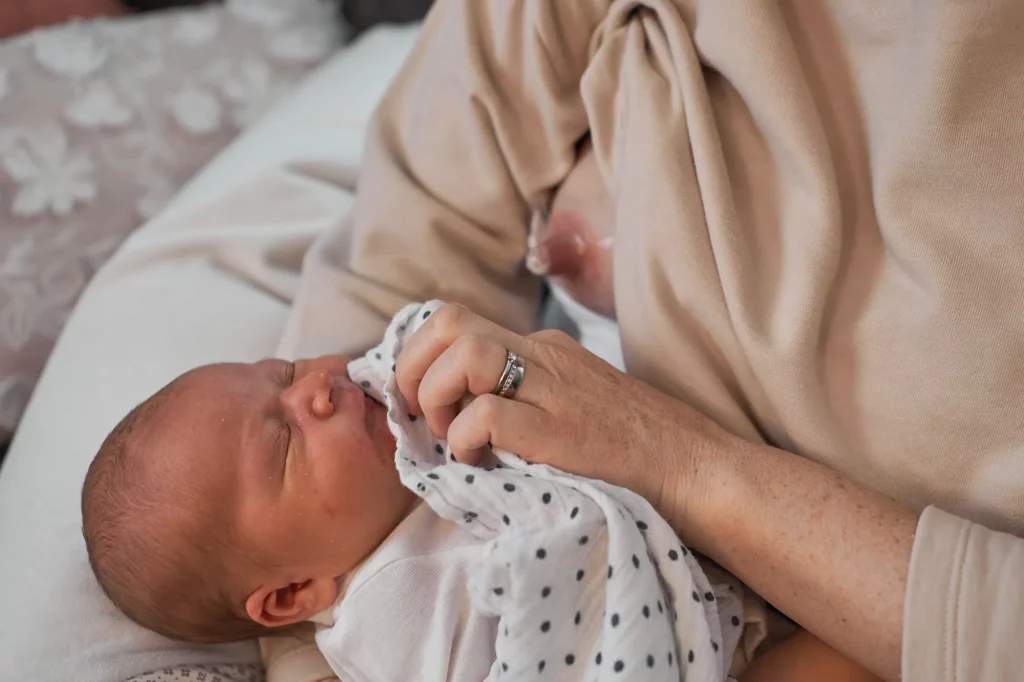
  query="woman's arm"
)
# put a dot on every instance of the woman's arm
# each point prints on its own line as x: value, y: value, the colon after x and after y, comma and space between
x: 830, y: 554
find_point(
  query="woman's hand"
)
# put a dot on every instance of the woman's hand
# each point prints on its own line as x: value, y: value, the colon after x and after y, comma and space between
x: 829, y: 553
x: 572, y: 411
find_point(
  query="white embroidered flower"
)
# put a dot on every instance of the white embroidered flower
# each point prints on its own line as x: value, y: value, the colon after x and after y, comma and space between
x: 68, y: 51
x: 270, y: 13
x: 49, y: 175
x: 196, y: 111
x: 251, y: 90
x: 196, y: 29
x: 303, y: 44
x: 98, y: 108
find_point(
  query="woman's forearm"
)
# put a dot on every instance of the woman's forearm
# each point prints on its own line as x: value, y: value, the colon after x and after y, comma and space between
x: 830, y: 554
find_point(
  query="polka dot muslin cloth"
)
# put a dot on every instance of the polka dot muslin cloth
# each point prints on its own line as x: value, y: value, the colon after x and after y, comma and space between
x: 587, y: 580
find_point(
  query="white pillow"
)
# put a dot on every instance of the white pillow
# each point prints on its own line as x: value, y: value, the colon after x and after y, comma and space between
x: 161, y: 306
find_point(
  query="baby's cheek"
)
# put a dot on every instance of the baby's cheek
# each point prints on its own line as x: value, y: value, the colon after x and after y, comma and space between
x: 326, y: 507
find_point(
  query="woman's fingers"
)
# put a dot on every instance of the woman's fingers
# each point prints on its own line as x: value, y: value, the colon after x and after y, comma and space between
x: 472, y: 365
x: 448, y: 323
x: 505, y: 424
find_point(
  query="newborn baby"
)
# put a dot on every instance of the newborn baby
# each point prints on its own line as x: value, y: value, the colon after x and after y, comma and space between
x: 245, y: 498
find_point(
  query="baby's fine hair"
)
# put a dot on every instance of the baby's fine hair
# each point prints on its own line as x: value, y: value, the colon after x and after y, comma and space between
x: 159, y: 559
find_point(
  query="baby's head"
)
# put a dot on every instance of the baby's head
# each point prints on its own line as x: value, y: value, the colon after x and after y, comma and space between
x: 229, y: 503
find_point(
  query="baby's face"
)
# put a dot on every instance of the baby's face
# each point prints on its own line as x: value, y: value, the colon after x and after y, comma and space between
x: 300, y: 460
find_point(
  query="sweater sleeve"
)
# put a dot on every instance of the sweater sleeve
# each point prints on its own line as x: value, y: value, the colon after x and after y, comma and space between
x: 965, y: 603
x: 478, y: 127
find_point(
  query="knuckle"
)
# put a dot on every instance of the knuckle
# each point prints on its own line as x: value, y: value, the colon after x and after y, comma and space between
x: 487, y: 408
x: 469, y: 349
x: 450, y: 317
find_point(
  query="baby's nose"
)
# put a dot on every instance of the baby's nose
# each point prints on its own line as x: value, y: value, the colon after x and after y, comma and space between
x: 310, y: 396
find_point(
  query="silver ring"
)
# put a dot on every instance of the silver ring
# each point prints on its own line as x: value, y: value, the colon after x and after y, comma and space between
x: 511, y: 378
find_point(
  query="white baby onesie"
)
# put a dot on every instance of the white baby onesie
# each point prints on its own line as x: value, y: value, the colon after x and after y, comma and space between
x: 406, y: 613
x: 586, y: 580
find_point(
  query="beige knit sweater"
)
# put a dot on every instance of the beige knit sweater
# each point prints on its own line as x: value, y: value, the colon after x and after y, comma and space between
x: 820, y: 240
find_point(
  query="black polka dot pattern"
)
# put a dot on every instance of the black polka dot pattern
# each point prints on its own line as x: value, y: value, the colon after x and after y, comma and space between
x: 555, y: 553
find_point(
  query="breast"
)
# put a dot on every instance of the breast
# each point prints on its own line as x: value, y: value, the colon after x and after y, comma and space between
x: 573, y: 243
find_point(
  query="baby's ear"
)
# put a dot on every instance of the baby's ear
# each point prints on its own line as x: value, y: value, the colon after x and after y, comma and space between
x: 278, y: 605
